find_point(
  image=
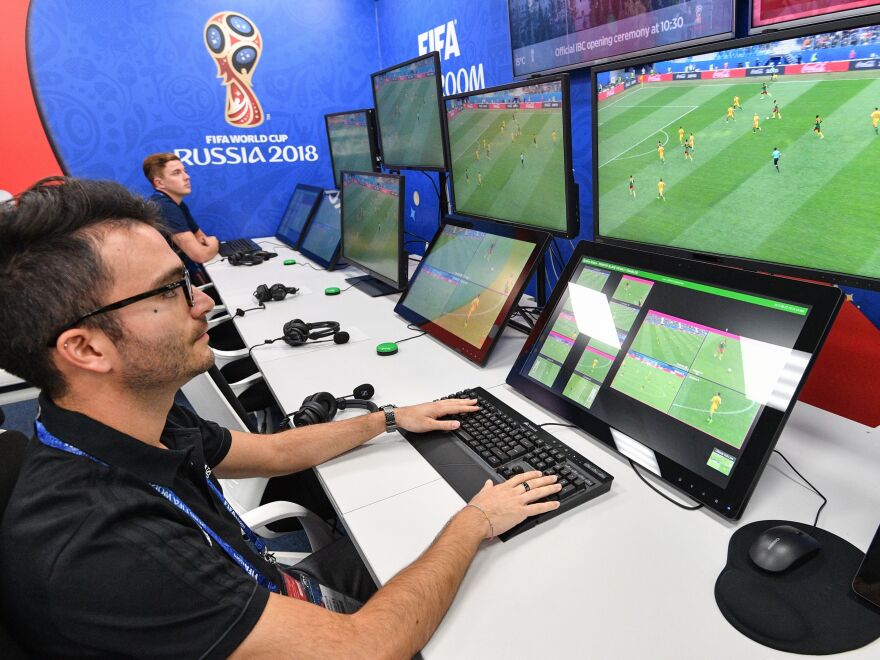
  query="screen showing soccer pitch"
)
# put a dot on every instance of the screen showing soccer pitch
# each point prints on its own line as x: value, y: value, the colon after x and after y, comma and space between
x: 372, y: 234
x: 299, y: 208
x: 554, y: 34
x: 763, y: 152
x: 408, y: 101
x: 468, y: 281
x: 350, y: 135
x: 321, y: 242
x: 511, y: 154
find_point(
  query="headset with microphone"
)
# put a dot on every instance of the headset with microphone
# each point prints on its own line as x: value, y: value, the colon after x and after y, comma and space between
x: 323, y: 406
x: 249, y: 258
x: 275, y: 292
x: 297, y: 332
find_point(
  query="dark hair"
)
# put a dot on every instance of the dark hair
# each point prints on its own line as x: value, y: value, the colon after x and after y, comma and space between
x: 51, y: 270
x: 155, y: 163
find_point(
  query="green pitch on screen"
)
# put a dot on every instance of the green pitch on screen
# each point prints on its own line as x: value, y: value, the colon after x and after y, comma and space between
x: 632, y: 291
x: 602, y: 346
x: 820, y: 209
x: 544, y: 371
x: 371, y: 229
x: 724, y: 367
x: 593, y: 279
x: 556, y: 348
x: 351, y: 149
x: 566, y: 325
x: 521, y: 176
x: 648, y: 384
x: 730, y: 422
x: 668, y: 345
x: 581, y: 390
x: 410, y: 123
x: 594, y: 365
x: 623, y: 316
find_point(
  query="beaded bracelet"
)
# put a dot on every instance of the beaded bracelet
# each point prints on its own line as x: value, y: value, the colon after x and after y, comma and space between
x: 491, y: 526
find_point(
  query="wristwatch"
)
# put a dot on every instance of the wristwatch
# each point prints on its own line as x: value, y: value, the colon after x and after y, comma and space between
x: 390, y: 420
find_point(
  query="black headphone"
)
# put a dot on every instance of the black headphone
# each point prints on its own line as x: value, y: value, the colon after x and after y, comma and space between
x: 249, y: 258
x: 297, y: 332
x: 323, y: 406
x: 278, y: 291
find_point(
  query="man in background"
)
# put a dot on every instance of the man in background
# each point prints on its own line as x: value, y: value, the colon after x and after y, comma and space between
x: 168, y: 177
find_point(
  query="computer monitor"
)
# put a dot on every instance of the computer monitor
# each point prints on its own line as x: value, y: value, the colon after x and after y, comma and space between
x: 372, y: 231
x: 758, y: 154
x: 409, y: 114
x: 687, y: 368
x: 550, y: 35
x: 511, y: 155
x: 299, y: 209
x: 773, y: 14
x: 324, y: 232
x: 352, y: 139
x: 469, y: 280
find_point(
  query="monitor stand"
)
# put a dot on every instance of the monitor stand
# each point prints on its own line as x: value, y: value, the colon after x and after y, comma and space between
x: 371, y: 286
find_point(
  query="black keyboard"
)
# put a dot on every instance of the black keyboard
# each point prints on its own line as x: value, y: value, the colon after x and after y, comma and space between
x: 237, y: 245
x: 497, y: 443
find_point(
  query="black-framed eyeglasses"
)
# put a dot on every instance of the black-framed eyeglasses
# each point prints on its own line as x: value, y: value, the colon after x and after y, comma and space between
x: 183, y: 283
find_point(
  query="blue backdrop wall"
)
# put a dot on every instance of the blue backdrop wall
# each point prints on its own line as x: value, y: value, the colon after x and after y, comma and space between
x: 119, y: 80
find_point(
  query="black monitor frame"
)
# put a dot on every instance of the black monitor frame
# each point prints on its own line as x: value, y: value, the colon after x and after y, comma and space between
x: 730, y: 501
x: 284, y: 239
x: 572, y: 219
x: 479, y: 355
x: 755, y: 265
x: 333, y: 261
x: 652, y: 52
x: 441, y: 108
x: 371, y: 136
x: 383, y: 284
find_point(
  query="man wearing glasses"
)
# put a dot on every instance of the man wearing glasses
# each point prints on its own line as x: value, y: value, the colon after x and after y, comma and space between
x: 117, y: 540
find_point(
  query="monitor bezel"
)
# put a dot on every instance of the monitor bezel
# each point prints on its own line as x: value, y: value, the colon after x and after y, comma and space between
x: 811, y: 20
x: 328, y: 264
x: 757, y: 265
x: 572, y: 217
x: 479, y: 355
x: 402, y: 257
x: 284, y: 239
x: 371, y: 137
x: 721, y: 36
x: 441, y: 107
x: 729, y: 501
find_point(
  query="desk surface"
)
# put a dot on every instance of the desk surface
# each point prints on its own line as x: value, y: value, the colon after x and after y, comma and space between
x: 627, y: 575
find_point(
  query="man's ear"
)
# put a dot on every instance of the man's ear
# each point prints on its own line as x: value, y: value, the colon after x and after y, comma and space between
x: 87, y: 349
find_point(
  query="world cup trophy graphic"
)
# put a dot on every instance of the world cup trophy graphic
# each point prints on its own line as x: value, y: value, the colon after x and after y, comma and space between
x: 235, y: 44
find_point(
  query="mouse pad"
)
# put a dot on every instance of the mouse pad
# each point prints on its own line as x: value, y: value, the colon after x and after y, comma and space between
x: 808, y: 609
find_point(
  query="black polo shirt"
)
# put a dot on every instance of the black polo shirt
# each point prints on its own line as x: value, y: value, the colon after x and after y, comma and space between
x: 178, y: 219
x: 94, y: 562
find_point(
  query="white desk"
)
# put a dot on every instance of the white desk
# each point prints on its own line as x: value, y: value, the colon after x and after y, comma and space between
x: 14, y: 389
x: 627, y: 575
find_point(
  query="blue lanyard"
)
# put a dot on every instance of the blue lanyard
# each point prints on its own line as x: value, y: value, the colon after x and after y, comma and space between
x: 51, y: 441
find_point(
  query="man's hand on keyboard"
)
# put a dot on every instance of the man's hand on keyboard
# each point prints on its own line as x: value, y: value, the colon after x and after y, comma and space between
x: 424, y: 417
x: 509, y: 503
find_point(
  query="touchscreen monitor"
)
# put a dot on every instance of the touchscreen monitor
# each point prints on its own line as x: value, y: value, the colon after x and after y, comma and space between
x: 295, y: 217
x: 322, y: 236
x: 690, y: 369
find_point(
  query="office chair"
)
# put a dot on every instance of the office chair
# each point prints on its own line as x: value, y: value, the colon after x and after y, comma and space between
x: 12, y: 449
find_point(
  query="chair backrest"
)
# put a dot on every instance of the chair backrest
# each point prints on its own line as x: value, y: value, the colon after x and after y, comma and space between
x: 12, y: 449
x: 211, y: 398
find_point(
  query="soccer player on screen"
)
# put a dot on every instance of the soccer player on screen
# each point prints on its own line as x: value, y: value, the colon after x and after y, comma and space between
x: 535, y: 140
x: 687, y: 153
x: 875, y: 120
x: 756, y: 120
x: 680, y: 135
x: 467, y: 177
x: 632, y: 186
x: 764, y: 93
x: 553, y: 136
x: 713, y: 406
x: 736, y: 103
x: 817, y: 127
x: 522, y: 158
x: 660, y: 151
x: 477, y: 153
x: 474, y: 304
x: 730, y: 115
x: 776, y: 155
x: 489, y: 150
x: 479, y: 179
x: 775, y: 76
x: 691, y: 142
x: 661, y: 187
x: 719, y: 351
x: 776, y: 114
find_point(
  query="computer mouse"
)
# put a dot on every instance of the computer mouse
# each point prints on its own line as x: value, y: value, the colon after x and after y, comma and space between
x: 782, y: 547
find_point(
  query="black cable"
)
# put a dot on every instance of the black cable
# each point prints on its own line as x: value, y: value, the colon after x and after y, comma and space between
x: 265, y: 342
x: 410, y: 326
x: 268, y: 242
x: 423, y: 240
x: 568, y: 426
x: 661, y: 493
x: 815, y: 490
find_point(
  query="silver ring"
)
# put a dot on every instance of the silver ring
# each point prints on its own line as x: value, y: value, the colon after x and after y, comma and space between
x: 526, y: 486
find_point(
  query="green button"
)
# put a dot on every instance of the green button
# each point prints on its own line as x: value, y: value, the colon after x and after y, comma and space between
x: 331, y: 291
x: 386, y: 348
x: 289, y: 262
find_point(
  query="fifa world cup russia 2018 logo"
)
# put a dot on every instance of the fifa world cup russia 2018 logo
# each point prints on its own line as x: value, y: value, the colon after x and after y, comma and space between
x: 235, y: 44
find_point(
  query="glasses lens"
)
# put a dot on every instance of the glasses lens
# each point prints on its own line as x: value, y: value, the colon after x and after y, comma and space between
x: 187, y: 289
